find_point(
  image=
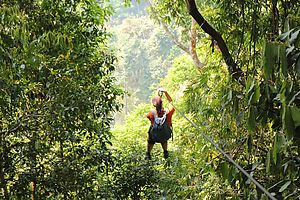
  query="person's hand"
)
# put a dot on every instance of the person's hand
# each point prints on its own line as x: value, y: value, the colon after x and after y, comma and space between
x: 162, y: 90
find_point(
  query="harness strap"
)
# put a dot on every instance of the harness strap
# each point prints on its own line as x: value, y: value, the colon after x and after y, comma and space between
x: 156, y: 118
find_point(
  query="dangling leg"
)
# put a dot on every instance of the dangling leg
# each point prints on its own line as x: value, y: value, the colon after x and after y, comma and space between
x: 165, y: 148
x: 149, y: 149
x: 150, y: 144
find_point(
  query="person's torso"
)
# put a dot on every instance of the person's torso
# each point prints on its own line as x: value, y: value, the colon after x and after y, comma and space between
x: 161, y: 114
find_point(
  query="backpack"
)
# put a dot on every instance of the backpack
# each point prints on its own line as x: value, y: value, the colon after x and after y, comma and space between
x: 160, y: 131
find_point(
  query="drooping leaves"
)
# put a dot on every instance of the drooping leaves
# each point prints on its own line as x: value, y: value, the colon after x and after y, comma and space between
x: 270, y: 59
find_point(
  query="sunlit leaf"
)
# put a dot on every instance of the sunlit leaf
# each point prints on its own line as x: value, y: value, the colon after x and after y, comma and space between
x: 285, y: 35
x: 256, y: 95
x: 250, y: 84
x: 253, y: 91
x: 287, y: 24
x: 282, y: 188
x: 294, y: 36
x: 289, y: 50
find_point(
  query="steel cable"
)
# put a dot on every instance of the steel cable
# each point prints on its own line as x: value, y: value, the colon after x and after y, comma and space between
x: 227, y: 156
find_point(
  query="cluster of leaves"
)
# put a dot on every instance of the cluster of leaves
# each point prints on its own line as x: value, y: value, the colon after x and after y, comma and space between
x: 263, y: 117
x: 257, y: 125
x: 190, y: 173
x: 56, y: 97
x: 132, y: 176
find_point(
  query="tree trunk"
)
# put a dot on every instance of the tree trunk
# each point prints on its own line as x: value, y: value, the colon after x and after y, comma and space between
x: 275, y: 20
x: 233, y: 69
x: 193, y: 51
x: 33, y: 191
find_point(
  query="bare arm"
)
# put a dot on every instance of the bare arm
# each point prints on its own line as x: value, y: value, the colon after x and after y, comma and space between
x: 166, y: 93
x: 168, y: 96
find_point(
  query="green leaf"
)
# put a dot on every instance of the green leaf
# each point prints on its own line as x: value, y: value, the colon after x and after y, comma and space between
x: 295, y: 115
x: 285, y: 186
x: 293, y: 98
x: 253, y: 91
x: 250, y: 98
x: 282, y: 93
x: 268, y: 162
x: 276, y: 148
x: 251, y: 119
x: 287, y: 24
x: 229, y: 96
x: 288, y: 122
x: 225, y: 169
x: 249, y: 144
x: 285, y: 165
x: 256, y: 95
x: 285, y: 35
x: 283, y: 61
x: 294, y: 37
x: 298, y: 66
x: 250, y: 85
x: 270, y: 59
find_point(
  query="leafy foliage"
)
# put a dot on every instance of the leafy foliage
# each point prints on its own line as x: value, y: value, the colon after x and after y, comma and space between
x: 257, y: 125
x: 56, y: 98
x: 132, y: 176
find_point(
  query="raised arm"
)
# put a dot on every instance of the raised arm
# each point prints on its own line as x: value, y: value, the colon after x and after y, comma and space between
x: 166, y: 93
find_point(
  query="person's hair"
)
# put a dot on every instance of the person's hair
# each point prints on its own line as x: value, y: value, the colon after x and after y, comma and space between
x: 157, y: 103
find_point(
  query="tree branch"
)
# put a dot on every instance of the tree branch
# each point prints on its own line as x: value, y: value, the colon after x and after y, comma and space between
x: 173, y: 38
x: 193, y: 51
x: 235, y: 71
x: 189, y: 50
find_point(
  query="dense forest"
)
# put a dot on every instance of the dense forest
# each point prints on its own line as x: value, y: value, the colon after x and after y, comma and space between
x: 76, y: 82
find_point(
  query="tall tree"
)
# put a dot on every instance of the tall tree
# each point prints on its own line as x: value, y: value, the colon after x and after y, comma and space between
x: 233, y: 69
x: 261, y: 51
x: 57, y: 95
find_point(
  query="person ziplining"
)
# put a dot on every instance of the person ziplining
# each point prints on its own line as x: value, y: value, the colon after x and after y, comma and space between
x: 160, y: 130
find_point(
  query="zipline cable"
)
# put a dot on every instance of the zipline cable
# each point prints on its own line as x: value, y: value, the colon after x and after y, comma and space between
x: 227, y: 156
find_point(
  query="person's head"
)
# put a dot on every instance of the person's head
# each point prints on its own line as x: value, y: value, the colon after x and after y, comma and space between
x: 157, y: 102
